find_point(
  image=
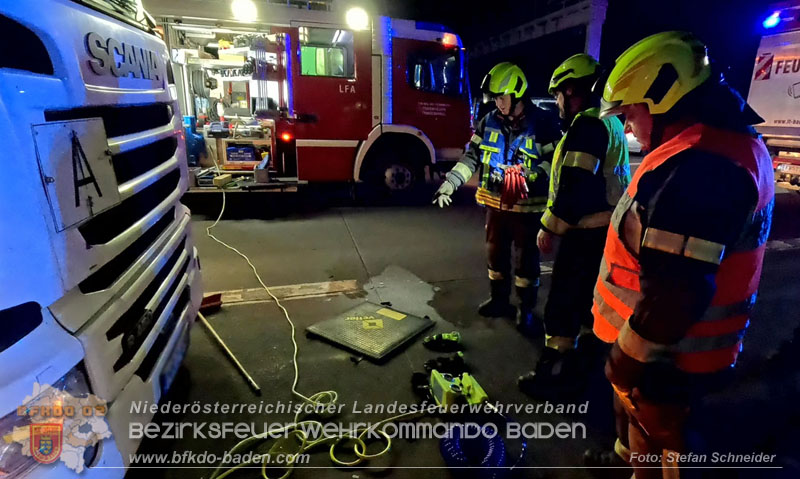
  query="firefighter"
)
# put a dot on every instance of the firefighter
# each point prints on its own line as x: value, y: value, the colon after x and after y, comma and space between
x: 589, y: 173
x: 505, y: 150
x: 683, y: 258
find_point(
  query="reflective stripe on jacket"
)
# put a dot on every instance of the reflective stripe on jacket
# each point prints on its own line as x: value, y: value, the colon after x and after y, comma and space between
x: 614, y: 168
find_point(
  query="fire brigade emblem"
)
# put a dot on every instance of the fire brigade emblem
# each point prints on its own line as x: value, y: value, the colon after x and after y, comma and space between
x: 46, y: 442
x: 61, y: 426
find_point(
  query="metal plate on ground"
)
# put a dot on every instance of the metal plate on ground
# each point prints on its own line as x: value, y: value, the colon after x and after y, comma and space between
x: 371, y: 329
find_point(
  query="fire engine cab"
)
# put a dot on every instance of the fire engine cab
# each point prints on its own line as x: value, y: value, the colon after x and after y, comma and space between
x: 317, y: 94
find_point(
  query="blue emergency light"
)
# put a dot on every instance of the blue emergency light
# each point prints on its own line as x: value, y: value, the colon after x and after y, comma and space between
x: 772, y: 20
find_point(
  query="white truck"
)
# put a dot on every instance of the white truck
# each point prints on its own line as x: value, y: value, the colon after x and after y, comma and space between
x: 775, y: 91
x: 99, y: 277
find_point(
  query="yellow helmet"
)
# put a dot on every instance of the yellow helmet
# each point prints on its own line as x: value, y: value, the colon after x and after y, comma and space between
x: 657, y: 71
x: 575, y: 67
x: 504, y: 79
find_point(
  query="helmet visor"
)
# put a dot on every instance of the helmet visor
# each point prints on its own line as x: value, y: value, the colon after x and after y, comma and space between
x: 607, y: 108
x: 490, y: 97
x: 610, y: 108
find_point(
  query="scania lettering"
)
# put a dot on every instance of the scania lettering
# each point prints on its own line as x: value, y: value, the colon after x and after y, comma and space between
x: 134, y: 61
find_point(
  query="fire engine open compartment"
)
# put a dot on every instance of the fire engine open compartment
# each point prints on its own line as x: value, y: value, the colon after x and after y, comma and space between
x: 233, y: 88
x: 382, y: 101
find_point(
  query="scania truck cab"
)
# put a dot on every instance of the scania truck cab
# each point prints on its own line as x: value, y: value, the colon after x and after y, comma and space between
x: 99, y: 277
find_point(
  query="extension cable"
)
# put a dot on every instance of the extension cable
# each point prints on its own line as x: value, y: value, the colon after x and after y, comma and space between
x: 320, y: 400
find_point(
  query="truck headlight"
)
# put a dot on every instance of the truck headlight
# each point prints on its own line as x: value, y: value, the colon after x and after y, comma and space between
x: 13, y: 463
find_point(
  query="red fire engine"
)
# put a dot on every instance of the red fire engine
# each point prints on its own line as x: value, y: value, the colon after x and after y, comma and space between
x: 340, y: 96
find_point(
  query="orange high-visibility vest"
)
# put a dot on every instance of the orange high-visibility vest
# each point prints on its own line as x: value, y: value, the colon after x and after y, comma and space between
x: 714, y: 342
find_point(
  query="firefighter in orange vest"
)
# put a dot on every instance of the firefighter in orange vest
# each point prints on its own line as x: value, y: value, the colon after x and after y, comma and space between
x: 685, y: 247
x: 589, y: 172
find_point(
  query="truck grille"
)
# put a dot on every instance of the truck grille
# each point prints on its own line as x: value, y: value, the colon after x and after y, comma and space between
x: 149, y: 362
x: 133, y: 163
x: 119, y: 120
x: 111, y: 271
x: 111, y: 223
x: 136, y: 323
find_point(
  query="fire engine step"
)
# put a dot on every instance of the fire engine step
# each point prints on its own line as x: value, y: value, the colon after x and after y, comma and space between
x: 370, y: 329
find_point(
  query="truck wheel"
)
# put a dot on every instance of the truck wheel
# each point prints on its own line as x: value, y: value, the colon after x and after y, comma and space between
x: 394, y: 174
x: 398, y: 177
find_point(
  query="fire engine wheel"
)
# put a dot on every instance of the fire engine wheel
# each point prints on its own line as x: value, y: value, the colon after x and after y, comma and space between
x: 398, y: 177
x: 395, y: 175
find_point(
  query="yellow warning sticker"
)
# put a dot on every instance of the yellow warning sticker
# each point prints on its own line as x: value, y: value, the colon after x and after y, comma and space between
x: 373, y: 324
x: 391, y: 314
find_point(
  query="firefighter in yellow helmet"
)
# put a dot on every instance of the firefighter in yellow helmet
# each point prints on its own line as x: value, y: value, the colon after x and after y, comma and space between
x: 589, y: 172
x: 510, y: 152
x: 685, y: 247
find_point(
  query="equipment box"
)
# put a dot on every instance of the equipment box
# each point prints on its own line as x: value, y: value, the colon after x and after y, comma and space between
x: 241, y: 153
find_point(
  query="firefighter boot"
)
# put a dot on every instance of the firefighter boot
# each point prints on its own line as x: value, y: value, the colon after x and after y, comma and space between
x: 556, y: 376
x: 498, y: 306
x: 527, y: 323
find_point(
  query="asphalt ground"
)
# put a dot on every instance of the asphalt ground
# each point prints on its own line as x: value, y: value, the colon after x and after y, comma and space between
x: 326, y: 252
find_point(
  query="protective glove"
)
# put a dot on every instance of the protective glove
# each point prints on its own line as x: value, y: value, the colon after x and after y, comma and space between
x: 528, y: 174
x: 519, y: 169
x: 544, y: 240
x: 442, y: 196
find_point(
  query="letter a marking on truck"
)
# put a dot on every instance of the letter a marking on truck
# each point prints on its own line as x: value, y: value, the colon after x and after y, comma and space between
x: 79, y: 176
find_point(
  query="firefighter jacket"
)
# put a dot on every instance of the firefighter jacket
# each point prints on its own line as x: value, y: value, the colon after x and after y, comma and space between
x: 498, y: 143
x: 683, y: 258
x: 589, y: 173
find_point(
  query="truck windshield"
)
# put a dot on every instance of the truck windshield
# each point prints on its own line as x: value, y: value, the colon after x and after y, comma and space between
x: 129, y: 11
x: 437, y: 72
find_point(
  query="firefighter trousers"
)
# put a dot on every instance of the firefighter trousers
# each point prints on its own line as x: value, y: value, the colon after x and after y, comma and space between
x: 575, y: 270
x: 511, y: 235
x: 669, y: 431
